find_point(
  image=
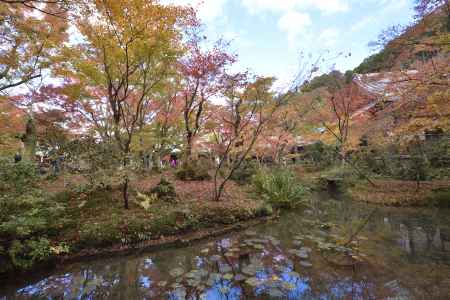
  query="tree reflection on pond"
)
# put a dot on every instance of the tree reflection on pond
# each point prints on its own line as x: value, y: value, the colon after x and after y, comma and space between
x: 301, y: 256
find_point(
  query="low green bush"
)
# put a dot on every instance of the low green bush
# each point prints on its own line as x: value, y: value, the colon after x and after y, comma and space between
x: 26, y: 223
x: 245, y: 172
x: 441, y: 198
x: 17, y: 177
x: 416, y: 160
x: 29, y: 214
x: 278, y: 187
x: 165, y: 191
x: 25, y: 254
x: 264, y: 210
x: 100, y: 234
x: 193, y: 172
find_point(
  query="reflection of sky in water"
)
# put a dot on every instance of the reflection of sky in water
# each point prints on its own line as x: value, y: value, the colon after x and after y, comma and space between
x: 148, y: 263
x: 346, y: 287
x: 223, y: 290
x: 286, y: 284
x: 145, y: 282
x: 277, y: 275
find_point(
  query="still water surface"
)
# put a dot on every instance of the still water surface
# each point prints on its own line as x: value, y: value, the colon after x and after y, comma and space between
x: 306, y: 254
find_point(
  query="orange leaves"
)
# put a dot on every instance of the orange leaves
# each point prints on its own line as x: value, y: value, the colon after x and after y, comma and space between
x: 28, y: 36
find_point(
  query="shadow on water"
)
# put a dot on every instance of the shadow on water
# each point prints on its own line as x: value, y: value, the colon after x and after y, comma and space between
x: 307, y: 254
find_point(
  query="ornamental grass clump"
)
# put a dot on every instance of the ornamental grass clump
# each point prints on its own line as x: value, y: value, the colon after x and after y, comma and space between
x: 278, y: 187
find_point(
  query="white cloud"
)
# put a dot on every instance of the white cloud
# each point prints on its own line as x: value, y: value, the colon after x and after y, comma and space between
x: 325, y: 6
x: 329, y: 37
x: 208, y: 10
x: 364, y: 22
x: 294, y: 23
x: 331, y: 6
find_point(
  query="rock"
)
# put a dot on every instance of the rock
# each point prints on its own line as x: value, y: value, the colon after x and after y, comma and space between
x: 193, y: 282
x: 250, y: 233
x: 215, y: 258
x: 176, y: 272
x: 297, y: 243
x: 302, y: 253
x: 179, y: 293
x: 258, y: 247
x: 305, y: 264
x: 275, y: 293
x: 288, y: 286
x: 213, y: 277
x: 225, y: 269
x: 239, y: 277
x: 401, y: 293
x: 253, y: 282
x: 252, y: 269
x: 228, y: 276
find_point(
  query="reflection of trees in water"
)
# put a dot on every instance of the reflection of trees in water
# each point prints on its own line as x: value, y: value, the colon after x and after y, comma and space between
x: 418, y: 231
x: 422, y: 234
x: 418, y: 235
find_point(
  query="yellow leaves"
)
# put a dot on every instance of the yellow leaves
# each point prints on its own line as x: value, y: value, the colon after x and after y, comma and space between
x: 28, y: 39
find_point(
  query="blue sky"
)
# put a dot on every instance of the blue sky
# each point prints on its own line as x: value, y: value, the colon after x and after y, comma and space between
x: 269, y: 35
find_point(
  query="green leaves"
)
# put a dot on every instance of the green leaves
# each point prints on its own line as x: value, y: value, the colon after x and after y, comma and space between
x: 17, y: 177
x: 279, y: 187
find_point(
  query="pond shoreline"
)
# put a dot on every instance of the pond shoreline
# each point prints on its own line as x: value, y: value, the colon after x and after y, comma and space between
x: 402, y: 193
x: 120, y: 250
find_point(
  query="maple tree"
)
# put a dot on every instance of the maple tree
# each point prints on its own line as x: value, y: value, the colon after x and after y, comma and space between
x: 280, y: 135
x: 250, y: 105
x: 424, y: 7
x: 201, y: 72
x: 127, y: 50
x: 11, y: 125
x: 29, y: 39
x: 163, y: 131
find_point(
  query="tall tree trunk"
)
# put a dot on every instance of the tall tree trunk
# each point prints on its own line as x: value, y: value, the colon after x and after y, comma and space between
x: 188, y: 154
x: 29, y: 140
x: 125, y: 192
x: 125, y: 184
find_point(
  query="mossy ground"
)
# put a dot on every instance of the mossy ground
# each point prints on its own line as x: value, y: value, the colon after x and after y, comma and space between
x: 96, y: 219
x: 401, y: 192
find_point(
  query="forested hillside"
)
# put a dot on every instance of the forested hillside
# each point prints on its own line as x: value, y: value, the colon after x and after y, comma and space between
x: 401, y: 91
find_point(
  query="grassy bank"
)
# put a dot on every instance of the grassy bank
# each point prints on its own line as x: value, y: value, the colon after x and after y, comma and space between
x: 40, y: 225
x: 46, y: 221
x: 402, y: 193
x: 383, y: 191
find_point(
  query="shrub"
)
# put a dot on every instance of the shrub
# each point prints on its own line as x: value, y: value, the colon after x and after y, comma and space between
x: 136, y: 230
x: 193, y: 172
x: 22, y: 219
x: 24, y: 254
x: 264, y: 210
x: 165, y: 190
x: 441, y: 198
x: 17, y: 177
x: 29, y: 214
x: 319, y: 155
x: 377, y: 62
x: 100, y: 234
x: 278, y: 187
x: 245, y: 172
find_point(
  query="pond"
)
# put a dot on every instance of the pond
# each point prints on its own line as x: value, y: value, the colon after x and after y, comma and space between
x: 331, y: 250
